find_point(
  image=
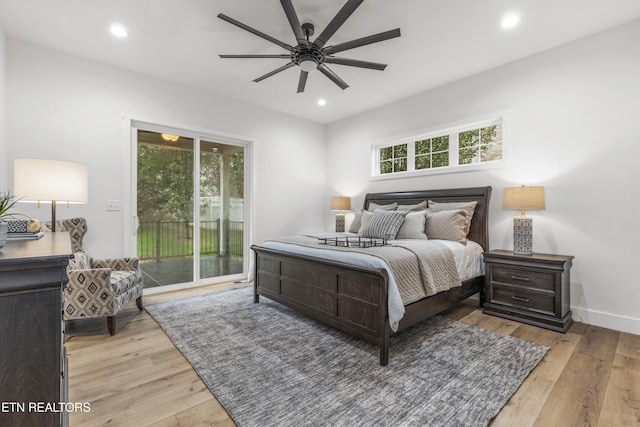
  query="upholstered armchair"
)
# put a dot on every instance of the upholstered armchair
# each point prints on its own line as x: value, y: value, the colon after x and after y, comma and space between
x: 98, y: 288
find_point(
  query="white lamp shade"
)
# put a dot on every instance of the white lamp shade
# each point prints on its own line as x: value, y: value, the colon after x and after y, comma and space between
x: 38, y: 180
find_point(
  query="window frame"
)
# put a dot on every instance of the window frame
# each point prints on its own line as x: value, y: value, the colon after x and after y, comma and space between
x: 452, y: 130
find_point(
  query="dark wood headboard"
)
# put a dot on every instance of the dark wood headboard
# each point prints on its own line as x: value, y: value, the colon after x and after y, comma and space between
x: 479, y: 231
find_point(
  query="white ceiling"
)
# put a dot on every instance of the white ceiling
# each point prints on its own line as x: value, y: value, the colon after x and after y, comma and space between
x: 179, y: 41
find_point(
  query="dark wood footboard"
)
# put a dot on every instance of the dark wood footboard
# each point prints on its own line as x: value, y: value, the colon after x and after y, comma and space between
x: 352, y: 299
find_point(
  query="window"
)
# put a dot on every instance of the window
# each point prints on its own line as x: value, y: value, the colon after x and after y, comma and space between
x: 457, y: 148
x: 432, y: 153
x: 393, y: 159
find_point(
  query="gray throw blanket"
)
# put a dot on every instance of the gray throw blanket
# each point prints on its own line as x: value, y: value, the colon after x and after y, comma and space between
x: 421, y: 268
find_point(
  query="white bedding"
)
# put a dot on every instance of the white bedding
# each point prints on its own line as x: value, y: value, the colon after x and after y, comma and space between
x: 468, y: 259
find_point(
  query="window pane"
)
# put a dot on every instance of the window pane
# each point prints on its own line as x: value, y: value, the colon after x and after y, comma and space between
x: 468, y: 156
x: 490, y: 134
x: 422, y: 147
x: 386, y: 167
x: 400, y: 165
x: 440, y: 159
x: 400, y: 151
x: 386, y: 153
x: 422, y: 162
x: 440, y: 143
x: 491, y: 152
x: 469, y: 138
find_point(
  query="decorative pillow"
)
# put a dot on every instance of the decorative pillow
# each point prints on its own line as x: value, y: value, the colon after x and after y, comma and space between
x: 413, y: 208
x: 468, y: 207
x: 382, y: 224
x: 447, y: 225
x: 373, y: 206
x: 413, y: 226
x: 355, y: 225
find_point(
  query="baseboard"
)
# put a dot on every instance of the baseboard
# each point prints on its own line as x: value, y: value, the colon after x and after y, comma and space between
x: 606, y: 320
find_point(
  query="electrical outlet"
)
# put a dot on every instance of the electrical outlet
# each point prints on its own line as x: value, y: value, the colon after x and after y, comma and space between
x: 113, y: 205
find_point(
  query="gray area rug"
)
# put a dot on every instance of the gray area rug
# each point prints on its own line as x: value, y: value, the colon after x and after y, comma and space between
x: 269, y: 366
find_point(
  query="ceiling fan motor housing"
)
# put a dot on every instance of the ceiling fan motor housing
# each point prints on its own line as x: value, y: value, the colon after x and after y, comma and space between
x: 302, y: 54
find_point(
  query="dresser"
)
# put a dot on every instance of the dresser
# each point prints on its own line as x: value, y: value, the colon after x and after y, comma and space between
x: 33, y: 363
x: 531, y: 289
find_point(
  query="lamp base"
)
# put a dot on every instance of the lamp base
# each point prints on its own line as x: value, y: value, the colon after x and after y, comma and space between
x: 522, y: 236
x: 339, y: 223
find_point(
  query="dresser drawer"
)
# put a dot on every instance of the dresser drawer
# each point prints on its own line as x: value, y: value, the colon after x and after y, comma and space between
x: 520, y: 298
x: 534, y: 279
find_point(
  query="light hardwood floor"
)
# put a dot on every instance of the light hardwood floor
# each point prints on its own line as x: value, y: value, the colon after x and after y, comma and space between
x: 590, y: 377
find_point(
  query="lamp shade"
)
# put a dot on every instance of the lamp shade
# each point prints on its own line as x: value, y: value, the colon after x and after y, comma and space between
x: 341, y: 203
x: 523, y: 198
x: 39, y: 180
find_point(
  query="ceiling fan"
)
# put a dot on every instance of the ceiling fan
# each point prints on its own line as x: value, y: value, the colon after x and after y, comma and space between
x: 310, y: 55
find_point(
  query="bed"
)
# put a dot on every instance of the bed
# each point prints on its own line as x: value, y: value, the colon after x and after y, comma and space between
x: 355, y: 298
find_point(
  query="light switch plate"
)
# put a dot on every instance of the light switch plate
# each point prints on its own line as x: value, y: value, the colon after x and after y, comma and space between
x: 113, y: 205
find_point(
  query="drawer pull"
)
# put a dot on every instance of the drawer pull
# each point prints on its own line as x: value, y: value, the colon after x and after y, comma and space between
x: 521, y: 299
x: 523, y: 278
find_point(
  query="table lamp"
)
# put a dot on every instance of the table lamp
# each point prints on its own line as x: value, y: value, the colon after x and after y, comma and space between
x: 340, y: 204
x: 50, y: 181
x: 523, y: 199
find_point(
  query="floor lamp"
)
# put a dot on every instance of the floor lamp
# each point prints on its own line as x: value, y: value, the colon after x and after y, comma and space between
x: 50, y: 181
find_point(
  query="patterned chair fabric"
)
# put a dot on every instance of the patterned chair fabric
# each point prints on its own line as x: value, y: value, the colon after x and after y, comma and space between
x: 97, y: 288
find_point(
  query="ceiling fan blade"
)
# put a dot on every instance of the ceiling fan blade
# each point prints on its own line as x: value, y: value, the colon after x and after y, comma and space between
x: 294, y: 21
x: 332, y: 76
x: 276, y: 71
x: 329, y: 50
x: 254, y: 31
x: 303, y: 81
x: 355, y: 63
x: 283, y: 56
x: 337, y: 21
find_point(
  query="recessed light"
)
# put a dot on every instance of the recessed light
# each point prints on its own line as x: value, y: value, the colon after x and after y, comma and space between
x: 118, y: 30
x: 322, y: 102
x: 510, y: 20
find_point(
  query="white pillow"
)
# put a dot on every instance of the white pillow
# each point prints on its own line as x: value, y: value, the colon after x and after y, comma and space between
x: 413, y: 226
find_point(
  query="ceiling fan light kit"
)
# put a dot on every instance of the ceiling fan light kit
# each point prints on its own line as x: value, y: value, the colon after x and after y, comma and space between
x: 314, y: 55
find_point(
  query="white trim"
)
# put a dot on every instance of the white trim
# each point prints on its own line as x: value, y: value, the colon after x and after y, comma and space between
x: 502, y: 117
x: 189, y: 285
x: 130, y: 126
x: 617, y: 322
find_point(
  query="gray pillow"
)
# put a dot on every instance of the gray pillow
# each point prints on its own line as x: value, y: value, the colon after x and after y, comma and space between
x: 468, y: 207
x: 447, y: 225
x: 413, y: 226
x: 373, y: 206
x: 413, y: 208
x: 356, y: 224
x: 383, y: 224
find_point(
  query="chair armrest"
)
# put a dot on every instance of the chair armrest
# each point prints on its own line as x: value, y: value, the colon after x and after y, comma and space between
x: 83, y: 279
x: 121, y: 264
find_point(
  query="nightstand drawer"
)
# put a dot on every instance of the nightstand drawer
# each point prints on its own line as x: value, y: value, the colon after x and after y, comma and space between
x: 520, y: 298
x: 533, y: 279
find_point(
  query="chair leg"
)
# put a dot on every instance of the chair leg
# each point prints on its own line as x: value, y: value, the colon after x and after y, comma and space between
x: 111, y: 324
x: 139, y: 303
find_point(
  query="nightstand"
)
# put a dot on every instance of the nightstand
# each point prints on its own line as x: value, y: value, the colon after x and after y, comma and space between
x: 531, y: 289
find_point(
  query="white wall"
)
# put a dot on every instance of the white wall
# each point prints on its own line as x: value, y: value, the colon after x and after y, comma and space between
x: 575, y: 131
x: 4, y: 163
x: 68, y: 108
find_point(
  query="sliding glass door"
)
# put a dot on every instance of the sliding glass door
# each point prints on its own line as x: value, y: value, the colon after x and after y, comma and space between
x: 190, y: 230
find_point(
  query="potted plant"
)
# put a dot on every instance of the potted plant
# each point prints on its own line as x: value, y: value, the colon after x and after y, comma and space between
x: 7, y: 202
